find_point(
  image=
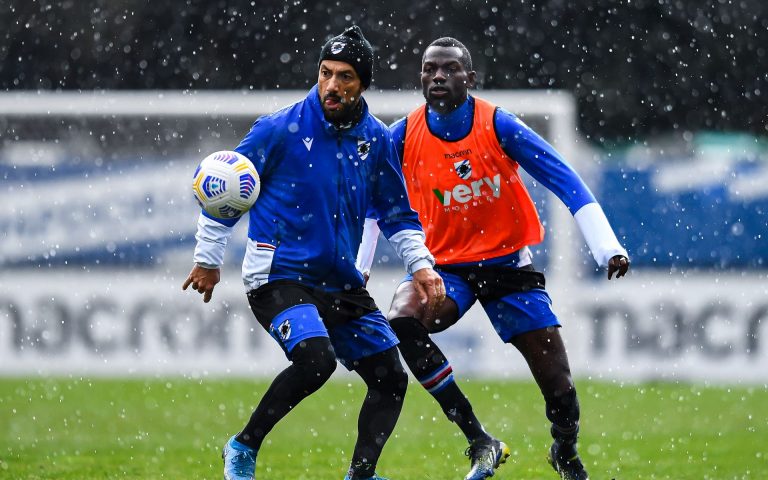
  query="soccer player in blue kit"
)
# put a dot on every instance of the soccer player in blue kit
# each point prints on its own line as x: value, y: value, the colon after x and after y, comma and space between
x: 323, y: 162
x: 460, y: 158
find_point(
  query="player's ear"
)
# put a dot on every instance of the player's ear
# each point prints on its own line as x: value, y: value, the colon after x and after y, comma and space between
x: 471, y: 79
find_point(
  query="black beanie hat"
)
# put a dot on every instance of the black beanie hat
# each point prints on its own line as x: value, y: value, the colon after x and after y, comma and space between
x: 351, y: 47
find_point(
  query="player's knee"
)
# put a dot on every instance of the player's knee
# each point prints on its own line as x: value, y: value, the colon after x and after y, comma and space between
x: 401, y: 308
x: 386, y: 378
x: 324, y: 367
x: 317, y: 373
x: 400, y: 380
x: 393, y: 375
x: 557, y: 382
x: 391, y: 383
x: 405, y: 303
x: 315, y: 359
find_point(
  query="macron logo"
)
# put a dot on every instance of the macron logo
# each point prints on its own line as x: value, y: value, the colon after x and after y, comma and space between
x: 463, y: 193
x: 308, y: 142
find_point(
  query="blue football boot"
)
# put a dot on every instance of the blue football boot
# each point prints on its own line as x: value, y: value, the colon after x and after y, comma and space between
x: 239, y: 461
x: 485, y: 457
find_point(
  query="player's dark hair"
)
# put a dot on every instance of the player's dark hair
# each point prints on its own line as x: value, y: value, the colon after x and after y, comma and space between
x: 466, y: 58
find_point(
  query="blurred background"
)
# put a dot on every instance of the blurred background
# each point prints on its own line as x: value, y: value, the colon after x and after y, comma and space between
x: 638, y: 69
x: 106, y: 107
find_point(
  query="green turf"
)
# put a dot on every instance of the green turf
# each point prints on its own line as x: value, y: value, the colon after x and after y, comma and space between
x: 174, y: 429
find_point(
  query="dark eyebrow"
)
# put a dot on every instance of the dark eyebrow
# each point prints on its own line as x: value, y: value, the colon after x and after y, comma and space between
x: 446, y: 63
x: 342, y: 71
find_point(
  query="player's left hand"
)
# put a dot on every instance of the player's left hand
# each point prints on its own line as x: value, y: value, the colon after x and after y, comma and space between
x: 619, y: 265
x: 430, y: 288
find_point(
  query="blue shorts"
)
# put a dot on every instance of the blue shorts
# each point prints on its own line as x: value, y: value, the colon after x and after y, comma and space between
x: 513, y: 298
x: 292, y: 312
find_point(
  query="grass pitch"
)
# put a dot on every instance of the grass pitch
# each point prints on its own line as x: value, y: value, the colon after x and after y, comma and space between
x: 175, y: 428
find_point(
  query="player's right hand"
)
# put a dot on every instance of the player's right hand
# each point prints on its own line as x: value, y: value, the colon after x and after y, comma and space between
x: 203, y: 280
x: 430, y: 288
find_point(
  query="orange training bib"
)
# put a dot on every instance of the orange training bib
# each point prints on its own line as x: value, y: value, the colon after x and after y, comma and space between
x: 468, y: 193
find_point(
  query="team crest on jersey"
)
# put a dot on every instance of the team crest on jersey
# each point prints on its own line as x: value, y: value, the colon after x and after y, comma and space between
x: 336, y: 47
x: 284, y: 330
x: 363, y: 148
x: 463, y: 169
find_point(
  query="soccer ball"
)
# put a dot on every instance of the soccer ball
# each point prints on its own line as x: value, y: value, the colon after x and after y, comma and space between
x: 225, y: 184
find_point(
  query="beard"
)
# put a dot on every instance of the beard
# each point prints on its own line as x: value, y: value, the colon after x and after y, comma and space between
x: 341, y: 115
x: 446, y: 103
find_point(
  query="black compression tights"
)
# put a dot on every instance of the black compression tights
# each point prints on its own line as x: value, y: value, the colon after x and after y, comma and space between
x: 313, y: 362
x: 387, y: 381
x: 425, y: 359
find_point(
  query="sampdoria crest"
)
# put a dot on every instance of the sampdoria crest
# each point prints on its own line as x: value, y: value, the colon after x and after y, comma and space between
x: 284, y: 330
x: 363, y: 148
x: 463, y: 169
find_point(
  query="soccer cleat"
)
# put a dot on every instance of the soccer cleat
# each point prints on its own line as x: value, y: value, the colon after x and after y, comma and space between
x: 374, y: 477
x: 485, y: 456
x: 566, y: 462
x: 239, y: 461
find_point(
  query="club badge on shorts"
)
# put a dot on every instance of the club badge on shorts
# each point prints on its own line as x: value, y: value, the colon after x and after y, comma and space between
x: 284, y: 330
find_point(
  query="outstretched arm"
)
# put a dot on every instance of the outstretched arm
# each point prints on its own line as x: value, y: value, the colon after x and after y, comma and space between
x: 601, y: 240
x: 212, y: 237
x: 545, y: 164
x: 213, y: 234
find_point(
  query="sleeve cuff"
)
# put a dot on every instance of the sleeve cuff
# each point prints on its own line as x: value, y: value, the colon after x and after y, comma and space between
x: 598, y: 233
x: 409, y: 245
x: 420, y: 264
x: 367, y: 245
x: 212, y: 238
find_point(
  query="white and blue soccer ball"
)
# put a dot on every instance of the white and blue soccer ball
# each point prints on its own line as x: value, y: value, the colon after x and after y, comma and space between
x: 226, y: 184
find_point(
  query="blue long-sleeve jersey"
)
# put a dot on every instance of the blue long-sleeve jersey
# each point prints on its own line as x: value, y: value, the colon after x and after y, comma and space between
x: 317, y: 183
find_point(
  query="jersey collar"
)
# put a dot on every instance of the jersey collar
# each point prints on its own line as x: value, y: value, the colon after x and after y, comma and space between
x: 453, y: 125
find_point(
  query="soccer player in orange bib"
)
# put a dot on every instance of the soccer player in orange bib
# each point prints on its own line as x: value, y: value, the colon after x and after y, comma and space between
x: 460, y: 157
